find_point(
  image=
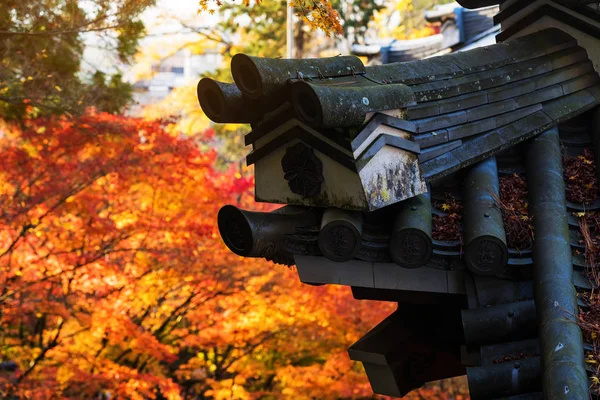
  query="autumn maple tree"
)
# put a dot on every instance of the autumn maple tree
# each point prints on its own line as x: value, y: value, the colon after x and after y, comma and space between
x: 114, y: 279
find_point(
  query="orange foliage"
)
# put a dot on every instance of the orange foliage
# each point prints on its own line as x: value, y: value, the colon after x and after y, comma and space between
x: 114, y: 280
x: 319, y: 14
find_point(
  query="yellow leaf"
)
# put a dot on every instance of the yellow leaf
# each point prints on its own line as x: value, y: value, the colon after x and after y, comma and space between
x: 580, y: 214
x: 445, y: 207
x: 58, y: 88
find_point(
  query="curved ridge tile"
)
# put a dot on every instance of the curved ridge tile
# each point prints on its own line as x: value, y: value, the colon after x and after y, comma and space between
x: 259, y: 77
x: 223, y: 102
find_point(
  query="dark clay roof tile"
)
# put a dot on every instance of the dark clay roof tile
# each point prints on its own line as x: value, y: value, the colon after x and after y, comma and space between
x: 437, y: 94
x: 478, y: 148
x: 516, y: 115
x: 486, y: 144
x: 470, y: 129
x: 511, y: 90
x: 492, y: 78
x: 533, y: 123
x: 435, y: 151
x: 423, y: 110
x: 463, y: 102
x: 569, y: 56
x: 415, y: 72
x: 522, y: 87
x: 491, y: 109
x: 539, y: 96
x: 440, y: 121
x: 431, y: 138
x: 497, y: 121
x: 581, y: 82
x: 562, y: 74
x: 568, y: 106
x: 439, y: 165
x: 595, y: 91
x: 471, y: 61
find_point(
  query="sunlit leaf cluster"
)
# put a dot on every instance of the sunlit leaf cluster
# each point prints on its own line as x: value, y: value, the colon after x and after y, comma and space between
x: 114, y: 280
x: 319, y: 14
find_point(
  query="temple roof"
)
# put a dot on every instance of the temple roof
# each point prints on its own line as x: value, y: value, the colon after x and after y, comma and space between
x: 441, y: 85
x: 454, y: 111
x: 449, y: 111
x: 448, y: 185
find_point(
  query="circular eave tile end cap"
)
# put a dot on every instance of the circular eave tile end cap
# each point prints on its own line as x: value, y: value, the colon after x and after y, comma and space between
x: 246, y: 76
x: 235, y: 230
x: 411, y: 248
x: 486, y: 255
x: 339, y: 241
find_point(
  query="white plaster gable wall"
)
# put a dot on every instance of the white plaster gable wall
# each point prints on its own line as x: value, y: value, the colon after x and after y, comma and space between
x: 339, y: 184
